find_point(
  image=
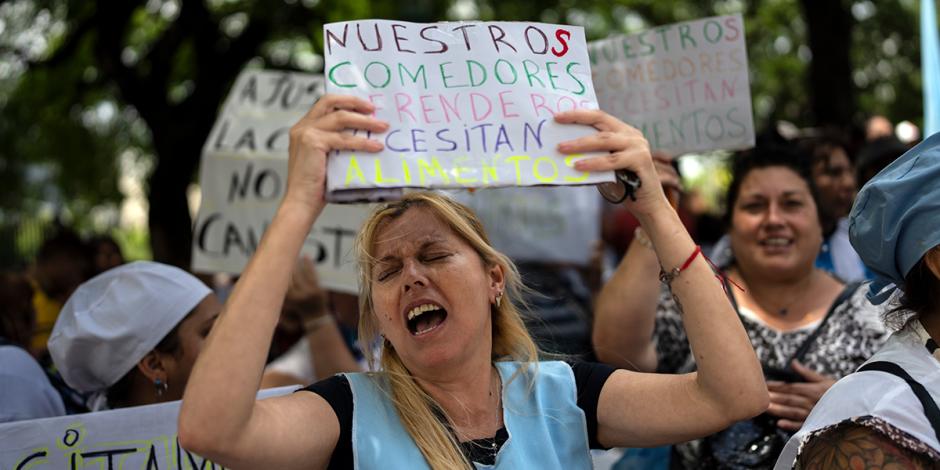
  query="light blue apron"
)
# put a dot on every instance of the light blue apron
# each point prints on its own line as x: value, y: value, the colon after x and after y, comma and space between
x: 547, y: 429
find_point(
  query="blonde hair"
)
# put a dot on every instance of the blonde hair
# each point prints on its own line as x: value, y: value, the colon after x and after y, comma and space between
x: 422, y: 417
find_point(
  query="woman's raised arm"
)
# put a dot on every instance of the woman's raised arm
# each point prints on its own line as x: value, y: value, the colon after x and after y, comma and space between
x: 637, y: 409
x: 625, y: 309
x: 220, y: 418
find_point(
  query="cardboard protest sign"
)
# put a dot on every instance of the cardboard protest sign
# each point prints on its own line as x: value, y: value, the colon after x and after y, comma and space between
x: 684, y: 85
x: 243, y: 176
x: 469, y: 104
x: 142, y: 437
x: 543, y: 224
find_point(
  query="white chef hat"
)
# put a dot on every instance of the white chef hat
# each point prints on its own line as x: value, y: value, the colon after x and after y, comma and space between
x: 114, y: 319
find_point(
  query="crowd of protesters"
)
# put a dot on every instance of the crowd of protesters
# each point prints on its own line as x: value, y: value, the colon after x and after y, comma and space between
x: 655, y: 353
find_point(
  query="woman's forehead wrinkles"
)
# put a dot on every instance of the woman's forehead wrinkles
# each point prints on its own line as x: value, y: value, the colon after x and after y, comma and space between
x: 395, y: 241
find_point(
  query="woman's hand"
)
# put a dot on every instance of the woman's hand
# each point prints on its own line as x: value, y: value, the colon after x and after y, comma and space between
x: 792, y: 402
x: 628, y: 151
x: 318, y: 133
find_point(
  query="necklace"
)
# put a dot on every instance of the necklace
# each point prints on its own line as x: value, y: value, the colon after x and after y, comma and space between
x: 785, y: 309
x: 782, y: 311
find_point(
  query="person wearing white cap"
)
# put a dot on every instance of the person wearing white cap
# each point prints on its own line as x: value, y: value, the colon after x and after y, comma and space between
x: 886, y: 413
x: 131, y: 335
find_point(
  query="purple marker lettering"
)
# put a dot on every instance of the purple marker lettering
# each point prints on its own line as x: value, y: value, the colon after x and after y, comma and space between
x: 482, y: 128
x: 415, y: 140
x: 388, y: 142
x: 440, y: 136
x: 502, y: 138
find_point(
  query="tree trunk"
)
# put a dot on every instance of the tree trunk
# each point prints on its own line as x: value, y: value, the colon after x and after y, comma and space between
x: 169, y: 219
x: 832, y: 92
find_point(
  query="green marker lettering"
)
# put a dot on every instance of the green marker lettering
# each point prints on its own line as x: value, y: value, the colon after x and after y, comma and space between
x: 574, y: 77
x: 333, y: 79
x: 481, y: 68
x: 530, y: 75
x: 402, y: 71
x: 388, y: 74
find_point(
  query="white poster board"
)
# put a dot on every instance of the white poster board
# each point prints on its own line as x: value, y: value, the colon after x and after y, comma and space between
x: 142, y: 437
x: 541, y: 224
x: 469, y: 104
x: 684, y: 85
x: 243, y: 176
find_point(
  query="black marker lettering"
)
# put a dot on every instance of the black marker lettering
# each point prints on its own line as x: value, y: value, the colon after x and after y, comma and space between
x: 399, y: 39
x: 378, y: 38
x: 425, y: 37
x: 331, y: 38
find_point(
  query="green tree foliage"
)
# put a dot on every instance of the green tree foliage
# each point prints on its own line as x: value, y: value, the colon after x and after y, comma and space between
x: 83, y: 83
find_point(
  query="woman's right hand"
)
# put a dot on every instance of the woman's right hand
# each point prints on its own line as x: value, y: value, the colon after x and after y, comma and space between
x: 318, y: 133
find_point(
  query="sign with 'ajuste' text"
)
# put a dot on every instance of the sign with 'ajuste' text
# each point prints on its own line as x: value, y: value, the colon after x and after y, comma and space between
x: 684, y: 85
x: 469, y: 104
x: 243, y: 176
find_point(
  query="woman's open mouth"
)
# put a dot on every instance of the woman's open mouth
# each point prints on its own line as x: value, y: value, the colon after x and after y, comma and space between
x: 425, y: 318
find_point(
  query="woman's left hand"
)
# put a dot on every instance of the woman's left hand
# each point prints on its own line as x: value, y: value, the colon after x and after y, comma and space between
x: 792, y: 402
x: 628, y: 151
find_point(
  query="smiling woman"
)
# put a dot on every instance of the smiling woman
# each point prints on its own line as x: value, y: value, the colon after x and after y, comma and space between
x: 460, y: 384
x: 807, y: 327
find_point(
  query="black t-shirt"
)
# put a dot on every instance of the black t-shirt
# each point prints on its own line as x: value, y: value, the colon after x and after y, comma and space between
x: 589, y: 378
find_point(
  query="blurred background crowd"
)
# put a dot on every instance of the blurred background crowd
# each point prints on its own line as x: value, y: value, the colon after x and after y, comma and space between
x: 106, y: 105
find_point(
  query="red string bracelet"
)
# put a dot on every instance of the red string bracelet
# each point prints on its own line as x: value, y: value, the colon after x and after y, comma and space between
x: 667, y: 277
x: 723, y: 278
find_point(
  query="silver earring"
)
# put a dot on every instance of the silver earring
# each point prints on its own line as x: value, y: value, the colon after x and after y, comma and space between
x: 160, y: 386
x: 499, y: 299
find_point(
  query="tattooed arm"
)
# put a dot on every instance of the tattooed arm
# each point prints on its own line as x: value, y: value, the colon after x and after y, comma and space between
x: 850, y: 445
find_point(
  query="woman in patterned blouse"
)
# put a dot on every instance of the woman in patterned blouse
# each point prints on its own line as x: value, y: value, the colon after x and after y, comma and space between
x: 807, y: 327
